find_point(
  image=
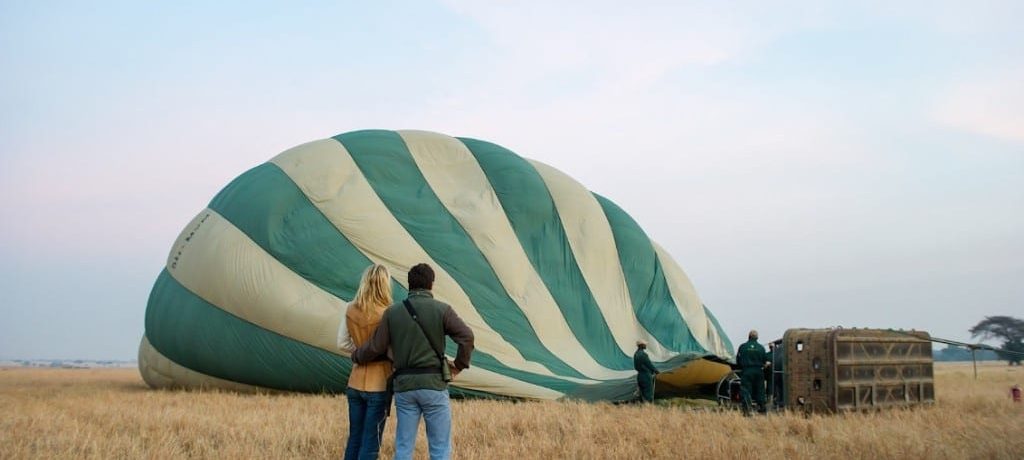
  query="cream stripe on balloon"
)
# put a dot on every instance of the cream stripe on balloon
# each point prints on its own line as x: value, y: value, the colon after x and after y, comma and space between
x: 158, y: 371
x: 476, y: 378
x: 690, y: 307
x: 715, y: 338
x: 216, y: 261
x: 450, y: 169
x: 592, y: 243
x: 328, y: 175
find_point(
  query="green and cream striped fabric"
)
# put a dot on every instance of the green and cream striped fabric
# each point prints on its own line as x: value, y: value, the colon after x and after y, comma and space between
x: 556, y: 282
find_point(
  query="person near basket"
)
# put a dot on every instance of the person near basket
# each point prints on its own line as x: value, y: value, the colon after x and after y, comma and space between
x: 645, y: 372
x: 751, y: 358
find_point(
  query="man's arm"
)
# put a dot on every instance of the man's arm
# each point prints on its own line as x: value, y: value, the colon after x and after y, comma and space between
x: 461, y: 334
x: 376, y: 346
x: 649, y: 364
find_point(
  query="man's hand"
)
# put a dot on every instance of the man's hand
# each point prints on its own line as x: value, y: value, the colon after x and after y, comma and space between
x: 454, y: 370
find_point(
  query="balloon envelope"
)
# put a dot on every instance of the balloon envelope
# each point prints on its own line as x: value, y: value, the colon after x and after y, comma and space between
x: 557, y: 283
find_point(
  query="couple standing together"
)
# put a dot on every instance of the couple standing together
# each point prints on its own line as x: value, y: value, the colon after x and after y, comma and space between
x: 402, y: 341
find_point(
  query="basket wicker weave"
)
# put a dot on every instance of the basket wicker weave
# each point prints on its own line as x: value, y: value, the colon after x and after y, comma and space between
x: 830, y: 370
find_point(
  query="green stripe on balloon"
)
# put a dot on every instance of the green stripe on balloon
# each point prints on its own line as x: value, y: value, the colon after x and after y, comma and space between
x: 534, y: 218
x: 648, y: 288
x: 386, y: 163
x: 199, y: 336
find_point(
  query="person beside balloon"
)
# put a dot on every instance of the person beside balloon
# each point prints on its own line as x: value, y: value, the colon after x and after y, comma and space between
x: 645, y: 372
x: 413, y: 331
x: 368, y: 400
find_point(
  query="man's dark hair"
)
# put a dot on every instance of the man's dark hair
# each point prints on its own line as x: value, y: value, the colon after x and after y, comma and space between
x: 421, y: 276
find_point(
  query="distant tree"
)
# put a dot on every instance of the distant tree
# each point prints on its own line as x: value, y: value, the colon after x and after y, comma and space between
x: 1008, y: 329
x: 1018, y: 348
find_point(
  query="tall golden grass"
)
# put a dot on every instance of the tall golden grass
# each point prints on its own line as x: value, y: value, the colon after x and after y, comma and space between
x: 69, y: 413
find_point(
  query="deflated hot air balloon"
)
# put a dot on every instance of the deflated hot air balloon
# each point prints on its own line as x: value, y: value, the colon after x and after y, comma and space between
x: 557, y: 283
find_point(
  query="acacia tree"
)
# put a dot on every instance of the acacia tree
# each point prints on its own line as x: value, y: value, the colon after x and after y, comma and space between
x: 1009, y: 330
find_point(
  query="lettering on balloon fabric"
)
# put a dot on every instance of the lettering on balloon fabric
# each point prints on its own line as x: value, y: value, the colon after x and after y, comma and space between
x: 181, y: 249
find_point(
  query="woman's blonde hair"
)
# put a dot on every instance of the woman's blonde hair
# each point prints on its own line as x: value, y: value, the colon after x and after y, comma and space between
x: 374, y: 289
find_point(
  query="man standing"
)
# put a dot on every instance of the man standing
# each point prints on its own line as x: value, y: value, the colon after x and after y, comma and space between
x: 414, y: 329
x: 751, y: 359
x: 645, y: 372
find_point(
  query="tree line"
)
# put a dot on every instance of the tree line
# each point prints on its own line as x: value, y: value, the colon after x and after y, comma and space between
x: 1009, y: 331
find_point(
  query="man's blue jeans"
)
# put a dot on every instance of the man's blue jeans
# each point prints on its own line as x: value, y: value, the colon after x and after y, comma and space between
x: 365, y: 423
x: 434, y: 406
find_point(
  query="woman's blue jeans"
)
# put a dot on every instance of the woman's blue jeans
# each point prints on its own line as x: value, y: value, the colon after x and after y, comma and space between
x: 365, y: 423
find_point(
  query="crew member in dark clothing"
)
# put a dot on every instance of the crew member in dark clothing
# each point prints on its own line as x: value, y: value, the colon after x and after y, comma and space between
x: 751, y: 359
x: 645, y: 372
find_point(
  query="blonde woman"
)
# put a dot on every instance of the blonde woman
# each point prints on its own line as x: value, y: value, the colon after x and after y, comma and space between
x: 367, y: 399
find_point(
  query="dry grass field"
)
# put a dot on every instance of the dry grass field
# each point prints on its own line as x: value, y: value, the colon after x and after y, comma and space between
x: 78, y: 413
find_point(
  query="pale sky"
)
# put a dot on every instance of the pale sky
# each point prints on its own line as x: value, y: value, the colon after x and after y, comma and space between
x: 808, y: 164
